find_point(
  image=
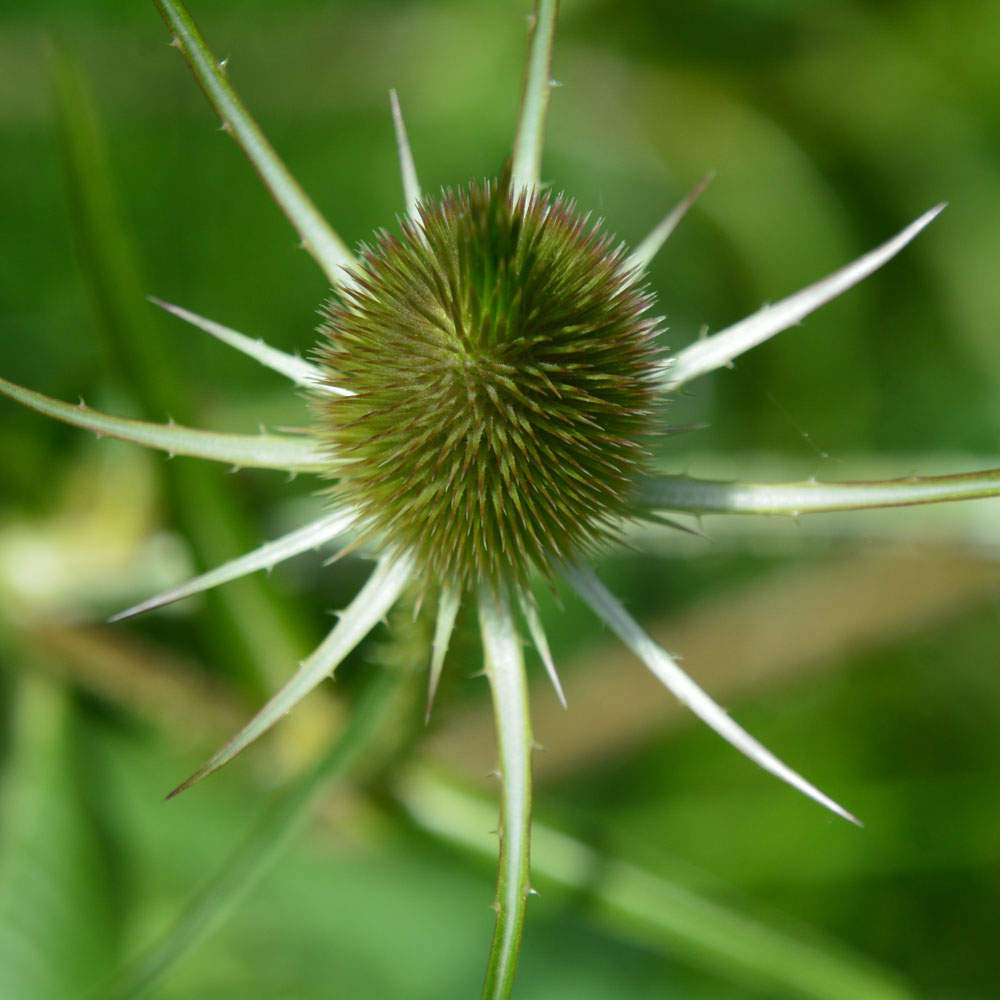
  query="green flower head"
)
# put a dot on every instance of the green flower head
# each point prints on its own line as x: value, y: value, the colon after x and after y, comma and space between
x: 501, y: 371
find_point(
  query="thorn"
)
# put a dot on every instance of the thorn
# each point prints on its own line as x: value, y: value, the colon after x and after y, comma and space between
x: 494, y: 906
x: 174, y: 43
x: 223, y: 63
x: 226, y: 127
x: 418, y: 604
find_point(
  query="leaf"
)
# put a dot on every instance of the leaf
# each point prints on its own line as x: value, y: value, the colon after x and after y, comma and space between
x: 329, y: 250
x: 650, y: 246
x: 708, y: 496
x: 720, y: 349
x: 58, y: 932
x: 448, y: 605
x: 299, y: 371
x: 370, y: 605
x: 268, y: 555
x: 264, y: 451
x: 411, y: 186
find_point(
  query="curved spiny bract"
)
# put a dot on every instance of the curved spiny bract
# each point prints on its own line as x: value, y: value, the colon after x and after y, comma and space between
x: 501, y: 358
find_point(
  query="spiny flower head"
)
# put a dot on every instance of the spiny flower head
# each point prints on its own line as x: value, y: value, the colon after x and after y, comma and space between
x: 483, y: 397
x: 500, y: 360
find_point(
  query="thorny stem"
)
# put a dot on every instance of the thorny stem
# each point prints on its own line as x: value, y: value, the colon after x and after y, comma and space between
x: 377, y: 713
x: 688, y: 925
x: 505, y: 670
x: 527, y: 152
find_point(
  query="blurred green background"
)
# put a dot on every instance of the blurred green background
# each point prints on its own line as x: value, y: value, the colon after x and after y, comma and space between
x: 862, y: 649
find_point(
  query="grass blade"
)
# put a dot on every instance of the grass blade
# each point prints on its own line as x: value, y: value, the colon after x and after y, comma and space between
x: 246, y: 625
x: 781, y: 958
x: 362, y: 741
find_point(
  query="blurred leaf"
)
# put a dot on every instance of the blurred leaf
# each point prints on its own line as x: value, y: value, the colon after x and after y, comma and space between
x: 763, y: 954
x: 251, y: 620
x: 58, y: 928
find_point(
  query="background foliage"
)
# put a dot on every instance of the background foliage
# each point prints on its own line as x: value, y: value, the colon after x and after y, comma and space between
x: 861, y: 648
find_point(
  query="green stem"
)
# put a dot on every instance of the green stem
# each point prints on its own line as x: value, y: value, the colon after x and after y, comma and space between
x: 259, y: 451
x: 528, y: 138
x: 505, y: 670
x: 329, y: 250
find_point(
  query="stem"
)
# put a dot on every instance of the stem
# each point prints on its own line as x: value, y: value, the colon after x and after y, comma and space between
x: 528, y: 138
x: 759, y: 952
x: 505, y: 670
x: 329, y: 250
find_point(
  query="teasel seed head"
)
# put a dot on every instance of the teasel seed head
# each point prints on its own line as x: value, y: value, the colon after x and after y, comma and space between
x: 501, y: 359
